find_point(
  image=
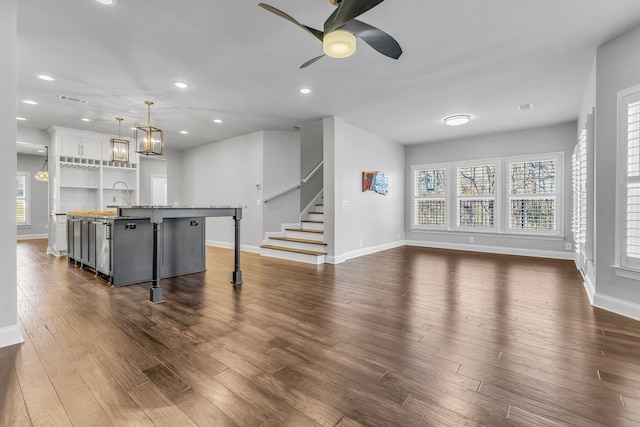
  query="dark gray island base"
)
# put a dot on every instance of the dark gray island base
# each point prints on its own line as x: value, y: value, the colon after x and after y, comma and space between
x: 157, y: 216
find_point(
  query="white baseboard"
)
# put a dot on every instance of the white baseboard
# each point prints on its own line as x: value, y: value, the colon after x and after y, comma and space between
x: 618, y: 306
x: 494, y: 249
x: 227, y: 245
x: 10, y: 335
x: 589, y: 288
x: 32, y: 236
x: 372, y: 250
x: 334, y: 259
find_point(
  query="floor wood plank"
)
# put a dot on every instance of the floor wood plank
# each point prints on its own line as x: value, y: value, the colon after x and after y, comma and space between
x: 408, y: 336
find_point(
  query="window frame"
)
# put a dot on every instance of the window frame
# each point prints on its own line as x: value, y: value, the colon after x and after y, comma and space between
x: 558, y: 195
x: 26, y: 199
x: 455, y: 208
x: 414, y: 198
x: 623, y: 261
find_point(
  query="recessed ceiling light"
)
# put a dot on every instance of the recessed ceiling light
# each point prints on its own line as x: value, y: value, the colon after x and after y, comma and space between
x: 181, y: 85
x: 30, y: 102
x: 45, y: 77
x: 525, y: 107
x: 305, y: 90
x: 184, y: 132
x: 107, y: 2
x: 22, y: 119
x: 40, y: 151
x: 84, y: 119
x: 217, y: 121
x: 457, y: 120
x: 21, y: 142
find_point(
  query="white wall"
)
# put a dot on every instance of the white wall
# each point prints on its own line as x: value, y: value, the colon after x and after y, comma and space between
x: 225, y: 173
x: 618, y: 68
x: 281, y: 169
x: 311, y: 146
x: 9, y: 331
x: 364, y: 222
x: 548, y: 139
x: 39, y: 197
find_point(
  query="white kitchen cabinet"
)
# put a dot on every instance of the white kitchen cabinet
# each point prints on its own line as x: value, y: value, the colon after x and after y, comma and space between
x: 82, y: 179
x: 79, y: 147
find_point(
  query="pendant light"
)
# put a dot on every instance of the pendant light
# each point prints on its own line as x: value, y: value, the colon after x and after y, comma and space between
x: 43, y: 174
x: 148, y: 138
x: 119, y: 146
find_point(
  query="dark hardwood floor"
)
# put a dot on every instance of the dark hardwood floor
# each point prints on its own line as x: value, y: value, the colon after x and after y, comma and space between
x: 408, y: 336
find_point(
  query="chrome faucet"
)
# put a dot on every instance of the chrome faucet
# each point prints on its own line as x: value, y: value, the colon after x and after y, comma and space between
x: 126, y: 187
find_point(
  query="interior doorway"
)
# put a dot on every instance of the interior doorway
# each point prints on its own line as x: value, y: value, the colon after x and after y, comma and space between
x: 158, y: 190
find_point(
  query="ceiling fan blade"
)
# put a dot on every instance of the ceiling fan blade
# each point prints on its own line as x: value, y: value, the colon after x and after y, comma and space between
x: 316, y: 33
x: 374, y: 37
x: 348, y: 10
x: 311, y: 61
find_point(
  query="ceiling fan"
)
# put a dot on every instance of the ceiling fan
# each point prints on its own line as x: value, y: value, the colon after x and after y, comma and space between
x: 341, y: 28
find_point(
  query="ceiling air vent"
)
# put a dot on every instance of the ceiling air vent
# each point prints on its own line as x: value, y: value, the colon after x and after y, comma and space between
x: 72, y: 99
x: 525, y: 107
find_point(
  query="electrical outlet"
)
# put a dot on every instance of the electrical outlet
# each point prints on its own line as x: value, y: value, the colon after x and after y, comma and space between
x: 361, y: 244
x: 471, y: 239
x: 258, y: 202
x: 568, y: 246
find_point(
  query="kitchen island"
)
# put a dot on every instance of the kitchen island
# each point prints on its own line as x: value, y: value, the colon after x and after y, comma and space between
x: 146, y: 243
x: 157, y: 216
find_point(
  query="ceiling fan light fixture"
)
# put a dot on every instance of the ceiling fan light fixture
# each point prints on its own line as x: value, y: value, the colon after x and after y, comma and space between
x: 457, y: 120
x: 339, y: 44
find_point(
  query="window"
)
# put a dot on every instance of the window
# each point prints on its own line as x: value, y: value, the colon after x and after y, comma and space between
x: 629, y: 167
x: 476, y: 196
x: 532, y: 199
x: 430, y: 196
x: 579, y: 185
x: 515, y: 195
x: 22, y: 198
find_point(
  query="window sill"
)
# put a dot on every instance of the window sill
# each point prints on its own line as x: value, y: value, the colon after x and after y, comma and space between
x: 490, y: 234
x: 627, y: 272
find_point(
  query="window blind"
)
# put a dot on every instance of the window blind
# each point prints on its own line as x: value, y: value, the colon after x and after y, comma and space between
x: 632, y: 229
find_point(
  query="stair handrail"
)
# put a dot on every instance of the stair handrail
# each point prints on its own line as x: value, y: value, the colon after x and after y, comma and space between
x: 313, y: 172
x: 281, y: 192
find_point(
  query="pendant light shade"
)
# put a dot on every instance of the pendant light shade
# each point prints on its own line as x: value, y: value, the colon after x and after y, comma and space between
x: 119, y: 146
x: 43, y: 174
x: 149, y: 138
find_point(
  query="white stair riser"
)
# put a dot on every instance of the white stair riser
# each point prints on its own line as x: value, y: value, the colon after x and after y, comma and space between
x: 303, y: 235
x: 316, y: 216
x: 296, y: 245
x: 292, y: 256
x: 312, y: 226
x: 319, y: 208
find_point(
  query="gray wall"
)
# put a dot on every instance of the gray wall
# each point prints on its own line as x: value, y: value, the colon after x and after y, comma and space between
x: 358, y: 222
x: 151, y: 166
x: 175, y: 186
x: 39, y: 199
x: 311, y: 146
x: 281, y: 166
x: 9, y: 331
x: 556, y: 138
x: 618, y: 68
x: 226, y: 173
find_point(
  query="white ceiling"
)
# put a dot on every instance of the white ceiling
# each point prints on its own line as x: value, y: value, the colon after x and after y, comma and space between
x: 478, y: 57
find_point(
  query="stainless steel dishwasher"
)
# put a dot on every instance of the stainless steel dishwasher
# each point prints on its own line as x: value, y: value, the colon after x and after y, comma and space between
x: 103, y: 246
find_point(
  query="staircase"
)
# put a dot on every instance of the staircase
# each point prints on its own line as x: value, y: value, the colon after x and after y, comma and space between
x: 303, y: 243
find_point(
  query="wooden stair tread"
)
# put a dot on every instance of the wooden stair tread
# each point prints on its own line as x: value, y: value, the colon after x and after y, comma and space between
x: 294, y: 239
x: 316, y: 213
x: 315, y: 221
x: 299, y: 251
x: 305, y: 230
